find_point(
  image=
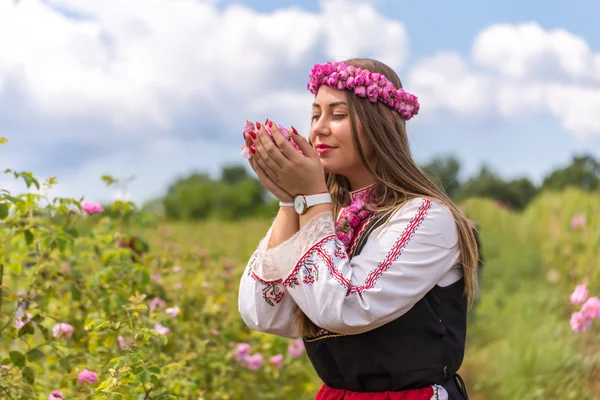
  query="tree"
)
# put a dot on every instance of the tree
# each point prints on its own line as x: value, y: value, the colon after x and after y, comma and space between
x: 197, y: 197
x: 444, y: 172
x: 516, y: 193
x: 583, y: 172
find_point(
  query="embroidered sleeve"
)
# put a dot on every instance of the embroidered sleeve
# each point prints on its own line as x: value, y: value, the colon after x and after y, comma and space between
x: 263, y: 302
x: 398, y: 265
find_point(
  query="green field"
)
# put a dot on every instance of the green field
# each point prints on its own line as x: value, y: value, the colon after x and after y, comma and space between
x: 520, y: 343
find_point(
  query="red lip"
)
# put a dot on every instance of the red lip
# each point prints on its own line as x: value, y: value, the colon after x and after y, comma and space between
x: 324, y: 146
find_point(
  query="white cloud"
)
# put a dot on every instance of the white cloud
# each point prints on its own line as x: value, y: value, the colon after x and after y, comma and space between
x: 139, y: 63
x: 516, y: 70
x: 527, y: 51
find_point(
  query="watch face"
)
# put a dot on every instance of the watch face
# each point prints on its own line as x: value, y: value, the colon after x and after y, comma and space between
x: 299, y: 204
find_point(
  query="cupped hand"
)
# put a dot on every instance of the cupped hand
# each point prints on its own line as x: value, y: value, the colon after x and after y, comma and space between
x: 277, y: 191
x: 287, y: 168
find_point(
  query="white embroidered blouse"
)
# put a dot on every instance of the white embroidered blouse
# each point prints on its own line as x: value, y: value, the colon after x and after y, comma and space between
x: 400, y: 262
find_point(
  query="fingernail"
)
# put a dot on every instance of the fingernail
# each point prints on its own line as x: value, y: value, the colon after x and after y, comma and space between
x: 253, y: 134
x: 258, y: 125
x: 270, y: 123
x: 252, y: 149
x: 294, y: 130
x: 267, y: 121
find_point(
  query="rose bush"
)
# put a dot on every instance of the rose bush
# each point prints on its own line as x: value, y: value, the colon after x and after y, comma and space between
x: 89, y: 310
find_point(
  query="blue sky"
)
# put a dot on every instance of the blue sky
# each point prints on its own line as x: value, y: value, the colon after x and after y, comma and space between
x: 160, y: 92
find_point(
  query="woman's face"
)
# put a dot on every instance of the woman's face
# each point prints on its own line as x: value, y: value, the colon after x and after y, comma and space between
x: 331, y: 134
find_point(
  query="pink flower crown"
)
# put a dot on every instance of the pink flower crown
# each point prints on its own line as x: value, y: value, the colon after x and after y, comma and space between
x: 364, y: 83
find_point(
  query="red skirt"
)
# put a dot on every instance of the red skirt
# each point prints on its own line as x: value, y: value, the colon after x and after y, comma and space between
x: 428, y: 393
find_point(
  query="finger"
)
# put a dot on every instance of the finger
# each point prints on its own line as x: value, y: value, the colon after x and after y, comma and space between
x: 269, y: 150
x: 281, y: 140
x: 264, y: 161
x: 303, y: 144
x: 249, y: 138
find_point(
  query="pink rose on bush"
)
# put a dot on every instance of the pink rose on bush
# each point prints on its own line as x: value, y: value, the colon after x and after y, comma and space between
x: 163, y: 330
x: 23, y: 320
x: 86, y: 376
x: 56, y: 395
x: 254, y: 361
x: 591, y: 308
x: 277, y: 361
x: 580, y: 322
x: 122, y: 343
x: 578, y: 221
x: 173, y: 311
x: 580, y: 294
x: 296, y: 348
x: 62, y: 331
x: 91, y: 208
x: 241, y: 352
x: 157, y: 303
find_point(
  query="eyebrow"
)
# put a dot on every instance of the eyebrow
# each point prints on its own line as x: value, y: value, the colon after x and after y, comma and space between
x: 334, y: 104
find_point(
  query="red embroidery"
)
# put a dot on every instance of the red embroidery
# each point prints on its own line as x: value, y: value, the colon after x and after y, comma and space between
x: 400, y: 244
x: 272, y: 293
x: 292, y: 279
x: 308, y: 262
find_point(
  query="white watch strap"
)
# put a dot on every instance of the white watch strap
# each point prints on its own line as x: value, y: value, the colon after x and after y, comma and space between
x: 315, y: 199
x: 282, y: 204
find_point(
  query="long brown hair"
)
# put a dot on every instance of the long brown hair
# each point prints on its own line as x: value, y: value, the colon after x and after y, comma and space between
x: 398, y: 178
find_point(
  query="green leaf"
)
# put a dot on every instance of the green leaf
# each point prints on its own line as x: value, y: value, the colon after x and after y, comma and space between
x: 64, y: 362
x: 75, y: 292
x: 62, y: 244
x: 15, y: 267
x: 3, y: 210
x: 18, y: 359
x: 27, y: 329
x: 29, y: 375
x: 143, y: 377
x: 102, y: 325
x: 28, y: 237
x: 34, y: 355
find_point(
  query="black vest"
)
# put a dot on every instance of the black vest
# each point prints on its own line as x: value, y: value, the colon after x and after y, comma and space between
x: 423, y: 347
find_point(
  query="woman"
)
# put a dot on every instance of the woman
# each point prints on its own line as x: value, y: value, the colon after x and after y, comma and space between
x: 380, y: 292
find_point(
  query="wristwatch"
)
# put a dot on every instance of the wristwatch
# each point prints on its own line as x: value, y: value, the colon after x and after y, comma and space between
x: 303, y: 203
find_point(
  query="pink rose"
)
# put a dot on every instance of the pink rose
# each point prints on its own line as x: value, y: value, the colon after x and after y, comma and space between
x: 359, y: 80
x: 580, y: 322
x: 245, y: 152
x: 241, y: 351
x: 91, y: 208
x: 578, y: 221
x: 173, y: 311
x: 350, y: 83
x: 373, y: 93
x: 296, y: 348
x: 580, y: 294
x: 284, y: 131
x: 360, y: 91
x: 23, y: 320
x: 62, y: 331
x: 163, y: 330
x: 254, y: 361
x: 249, y: 127
x: 277, y: 361
x: 86, y: 376
x: 157, y: 303
x: 353, y: 220
x: 122, y: 342
x: 591, y: 308
x: 56, y: 395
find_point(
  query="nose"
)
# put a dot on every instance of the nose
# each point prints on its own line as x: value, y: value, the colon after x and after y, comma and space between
x: 320, y: 127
